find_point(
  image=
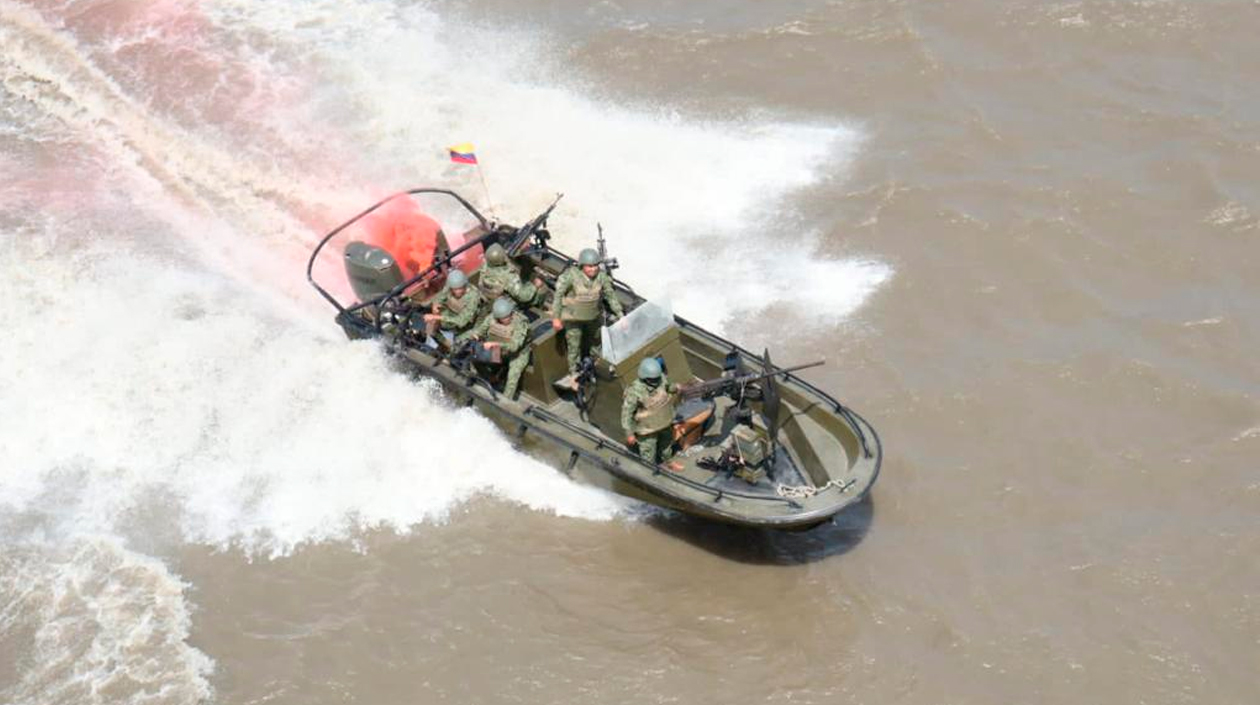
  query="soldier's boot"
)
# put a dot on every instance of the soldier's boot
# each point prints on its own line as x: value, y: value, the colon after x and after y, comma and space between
x: 665, y: 442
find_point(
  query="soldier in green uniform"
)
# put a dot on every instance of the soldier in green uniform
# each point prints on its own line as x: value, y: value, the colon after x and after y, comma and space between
x: 499, y: 277
x: 647, y: 414
x: 576, y: 306
x: 455, y: 307
x: 507, y: 330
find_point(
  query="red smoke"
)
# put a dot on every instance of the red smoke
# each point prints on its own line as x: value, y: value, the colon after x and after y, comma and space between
x: 400, y: 228
x: 403, y: 230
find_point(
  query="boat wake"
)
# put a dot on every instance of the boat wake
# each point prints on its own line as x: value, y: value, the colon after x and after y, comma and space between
x: 167, y: 376
x: 229, y: 384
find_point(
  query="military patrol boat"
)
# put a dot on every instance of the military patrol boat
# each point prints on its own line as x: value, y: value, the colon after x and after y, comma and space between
x: 757, y: 445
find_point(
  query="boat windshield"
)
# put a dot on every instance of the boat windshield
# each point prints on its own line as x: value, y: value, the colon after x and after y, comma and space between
x: 453, y: 216
x: 636, y: 329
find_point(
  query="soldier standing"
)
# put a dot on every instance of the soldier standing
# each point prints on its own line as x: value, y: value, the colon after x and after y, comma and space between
x: 647, y: 414
x: 499, y: 277
x: 455, y: 307
x: 576, y: 306
x: 506, y: 330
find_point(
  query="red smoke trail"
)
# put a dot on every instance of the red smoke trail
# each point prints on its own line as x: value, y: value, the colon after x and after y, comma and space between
x: 401, y: 228
x: 216, y: 86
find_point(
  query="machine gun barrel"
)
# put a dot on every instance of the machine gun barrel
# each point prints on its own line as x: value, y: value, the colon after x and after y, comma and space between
x: 528, y: 230
x: 729, y: 386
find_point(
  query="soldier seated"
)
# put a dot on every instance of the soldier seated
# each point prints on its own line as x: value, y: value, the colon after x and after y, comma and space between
x: 504, y: 333
x: 454, y: 309
x: 498, y: 276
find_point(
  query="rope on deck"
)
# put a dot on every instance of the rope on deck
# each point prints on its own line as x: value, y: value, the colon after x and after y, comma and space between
x: 807, y: 491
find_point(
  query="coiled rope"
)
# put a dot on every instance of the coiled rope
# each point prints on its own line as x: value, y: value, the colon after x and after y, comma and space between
x: 807, y: 491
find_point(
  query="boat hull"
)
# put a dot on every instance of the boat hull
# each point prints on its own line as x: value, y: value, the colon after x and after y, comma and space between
x: 602, y: 462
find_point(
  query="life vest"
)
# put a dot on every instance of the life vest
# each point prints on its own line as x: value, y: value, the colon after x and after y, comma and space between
x: 656, y: 411
x: 501, y: 332
x: 454, y: 304
x: 582, y: 304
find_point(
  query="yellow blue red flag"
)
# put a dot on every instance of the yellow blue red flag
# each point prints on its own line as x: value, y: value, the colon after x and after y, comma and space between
x: 463, y: 153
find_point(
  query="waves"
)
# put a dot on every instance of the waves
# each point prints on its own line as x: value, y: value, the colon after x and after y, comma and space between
x: 698, y: 210
x: 147, y: 405
x: 227, y: 384
x: 168, y: 378
x: 92, y: 622
x: 165, y: 387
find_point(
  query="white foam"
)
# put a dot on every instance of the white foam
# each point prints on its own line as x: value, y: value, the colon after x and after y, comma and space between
x: 93, y: 622
x: 688, y: 203
x: 166, y: 373
x: 228, y: 391
x: 693, y: 208
x: 165, y: 382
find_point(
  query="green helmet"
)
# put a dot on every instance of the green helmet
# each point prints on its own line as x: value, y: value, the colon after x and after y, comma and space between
x: 496, y: 255
x: 650, y: 368
x: 588, y: 257
x: 503, y: 307
x: 457, y: 280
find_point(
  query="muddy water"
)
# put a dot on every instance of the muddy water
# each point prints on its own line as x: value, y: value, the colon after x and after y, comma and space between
x: 1025, y: 235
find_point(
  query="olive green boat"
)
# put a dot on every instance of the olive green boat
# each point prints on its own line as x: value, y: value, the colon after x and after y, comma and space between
x: 761, y: 448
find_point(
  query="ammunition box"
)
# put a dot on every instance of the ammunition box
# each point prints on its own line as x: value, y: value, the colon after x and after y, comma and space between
x: 751, y: 445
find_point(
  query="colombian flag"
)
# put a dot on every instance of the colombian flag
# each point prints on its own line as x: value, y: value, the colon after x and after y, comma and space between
x: 463, y: 153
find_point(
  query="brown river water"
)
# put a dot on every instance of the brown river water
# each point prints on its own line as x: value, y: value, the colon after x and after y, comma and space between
x: 1025, y: 235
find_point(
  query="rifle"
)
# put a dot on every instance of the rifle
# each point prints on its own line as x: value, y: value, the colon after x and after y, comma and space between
x: 465, y: 354
x: 733, y: 386
x: 533, y: 228
x: 584, y: 378
x: 610, y: 263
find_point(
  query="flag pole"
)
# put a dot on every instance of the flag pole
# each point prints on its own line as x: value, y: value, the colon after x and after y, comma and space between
x: 489, y: 201
x: 466, y: 153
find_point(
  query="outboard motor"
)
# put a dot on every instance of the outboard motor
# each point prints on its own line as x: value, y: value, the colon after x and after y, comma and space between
x: 372, y: 270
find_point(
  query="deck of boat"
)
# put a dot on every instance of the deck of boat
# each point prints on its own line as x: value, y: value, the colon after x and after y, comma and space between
x: 783, y: 472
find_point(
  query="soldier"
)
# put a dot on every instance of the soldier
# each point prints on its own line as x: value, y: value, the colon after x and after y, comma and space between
x: 455, y: 307
x: 507, y: 331
x: 647, y: 414
x: 576, y: 306
x: 500, y: 277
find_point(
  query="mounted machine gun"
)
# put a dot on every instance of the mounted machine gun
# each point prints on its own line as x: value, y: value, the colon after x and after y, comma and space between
x: 734, y: 386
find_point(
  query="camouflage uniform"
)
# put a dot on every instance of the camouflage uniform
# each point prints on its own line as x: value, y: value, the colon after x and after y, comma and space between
x: 458, y: 314
x: 513, y: 339
x: 577, y: 303
x: 495, y: 281
x: 643, y: 411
